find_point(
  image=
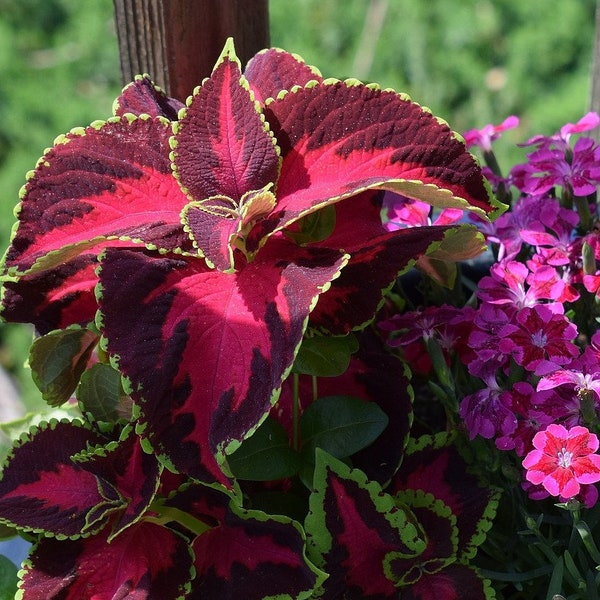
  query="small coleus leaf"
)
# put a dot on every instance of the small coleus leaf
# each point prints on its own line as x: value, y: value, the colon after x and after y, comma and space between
x: 457, y: 581
x: 218, y: 224
x: 218, y: 345
x: 340, y: 425
x: 434, y: 465
x: 441, y: 534
x: 352, y: 528
x: 266, y: 455
x: 325, y: 356
x: 225, y: 158
x: 130, y: 470
x: 142, y: 96
x: 245, y: 553
x: 44, y: 490
x: 101, y: 396
x: 57, y: 361
x: 145, y: 561
x: 273, y: 70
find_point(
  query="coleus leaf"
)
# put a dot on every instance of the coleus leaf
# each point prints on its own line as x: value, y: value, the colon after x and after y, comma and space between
x: 377, y: 257
x: 53, y: 299
x: 134, y: 473
x: 246, y: 553
x: 142, y: 96
x: 145, y: 561
x: 434, y: 465
x: 110, y: 180
x: 455, y: 582
x: 371, y: 139
x: 57, y: 361
x: 228, y: 160
x: 441, y: 534
x: 273, y: 70
x: 352, y: 527
x: 43, y: 490
x: 220, y: 345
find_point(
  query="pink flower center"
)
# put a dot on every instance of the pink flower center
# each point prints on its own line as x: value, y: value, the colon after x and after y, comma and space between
x: 564, y: 458
x: 539, y: 338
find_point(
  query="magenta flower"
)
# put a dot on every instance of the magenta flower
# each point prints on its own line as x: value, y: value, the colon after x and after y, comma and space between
x: 488, y: 133
x: 549, y: 167
x: 539, y: 339
x: 400, y: 212
x: 563, y: 459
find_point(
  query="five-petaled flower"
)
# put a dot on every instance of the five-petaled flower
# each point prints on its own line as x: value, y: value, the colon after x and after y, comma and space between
x: 563, y: 459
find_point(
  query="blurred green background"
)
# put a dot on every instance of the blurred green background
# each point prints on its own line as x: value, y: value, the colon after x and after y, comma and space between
x: 470, y: 61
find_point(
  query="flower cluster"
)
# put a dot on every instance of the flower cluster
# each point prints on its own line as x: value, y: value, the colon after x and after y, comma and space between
x: 521, y: 360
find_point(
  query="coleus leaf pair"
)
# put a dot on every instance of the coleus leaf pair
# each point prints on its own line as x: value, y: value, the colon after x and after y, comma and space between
x: 113, y: 524
x: 203, y: 292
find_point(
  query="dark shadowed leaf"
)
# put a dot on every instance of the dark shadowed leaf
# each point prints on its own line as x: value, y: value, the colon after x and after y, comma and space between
x: 325, y: 356
x: 57, y: 361
x: 266, y: 455
x: 340, y: 425
x: 101, y: 396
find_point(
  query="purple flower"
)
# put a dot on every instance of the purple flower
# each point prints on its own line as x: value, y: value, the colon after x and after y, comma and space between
x: 578, y: 171
x: 485, y: 413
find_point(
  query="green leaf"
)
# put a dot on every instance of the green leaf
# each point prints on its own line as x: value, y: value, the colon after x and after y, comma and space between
x: 325, y: 356
x: 266, y: 455
x: 57, y: 361
x: 340, y: 425
x: 8, y: 579
x: 101, y: 396
x: 314, y: 227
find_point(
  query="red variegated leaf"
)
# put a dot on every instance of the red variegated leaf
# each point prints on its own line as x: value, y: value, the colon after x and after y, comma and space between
x: 441, y: 535
x: 53, y: 299
x: 43, y: 489
x: 273, y: 70
x: 377, y: 257
x: 144, y: 562
x: 106, y: 181
x: 130, y: 470
x: 246, y: 553
x: 216, y: 345
x: 338, y: 139
x: 352, y: 527
x: 455, y: 582
x: 142, y: 96
x: 434, y: 465
x: 223, y: 145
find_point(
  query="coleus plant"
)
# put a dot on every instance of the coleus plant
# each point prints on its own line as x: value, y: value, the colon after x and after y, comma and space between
x: 178, y: 263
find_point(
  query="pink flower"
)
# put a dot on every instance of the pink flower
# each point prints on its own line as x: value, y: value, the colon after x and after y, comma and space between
x: 400, y: 212
x: 563, y: 459
x: 487, y: 134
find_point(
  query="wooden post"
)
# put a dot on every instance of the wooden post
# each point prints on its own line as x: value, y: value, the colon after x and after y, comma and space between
x: 178, y: 41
